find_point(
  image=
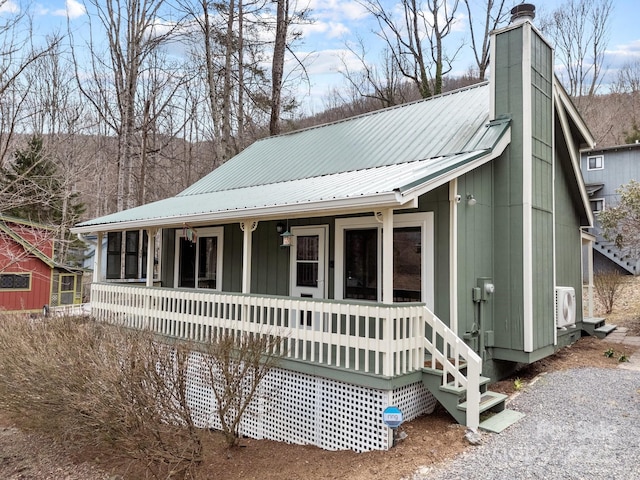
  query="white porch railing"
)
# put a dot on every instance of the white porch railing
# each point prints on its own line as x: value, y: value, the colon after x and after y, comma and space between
x: 380, y: 339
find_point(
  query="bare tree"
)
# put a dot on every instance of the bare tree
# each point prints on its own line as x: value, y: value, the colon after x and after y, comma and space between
x: 234, y: 368
x: 17, y: 52
x: 133, y: 32
x: 225, y: 46
x: 58, y: 117
x: 381, y: 81
x: 481, y: 22
x: 628, y: 78
x: 580, y: 32
x: 417, y: 39
x: 277, y: 65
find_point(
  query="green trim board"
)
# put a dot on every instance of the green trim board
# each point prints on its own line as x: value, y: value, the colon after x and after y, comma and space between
x: 29, y: 248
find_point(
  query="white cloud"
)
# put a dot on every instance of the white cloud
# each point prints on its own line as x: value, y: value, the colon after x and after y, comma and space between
x: 73, y: 9
x: 337, y: 9
x: 623, y: 53
x: 327, y: 29
x: 9, y: 7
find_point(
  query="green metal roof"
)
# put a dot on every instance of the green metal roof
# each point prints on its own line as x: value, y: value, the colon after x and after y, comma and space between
x: 437, y: 127
x: 373, y: 159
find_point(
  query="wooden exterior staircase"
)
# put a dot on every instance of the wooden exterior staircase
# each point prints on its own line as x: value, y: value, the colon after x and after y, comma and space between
x: 452, y: 373
x: 494, y: 416
x: 596, y: 327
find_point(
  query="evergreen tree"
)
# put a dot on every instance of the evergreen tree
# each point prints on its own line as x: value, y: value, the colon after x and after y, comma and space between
x: 633, y: 135
x: 34, y: 190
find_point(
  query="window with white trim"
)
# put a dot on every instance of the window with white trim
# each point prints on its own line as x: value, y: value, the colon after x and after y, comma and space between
x: 358, y: 262
x: 130, y: 248
x: 199, y: 258
x: 595, y: 162
x: 597, y: 204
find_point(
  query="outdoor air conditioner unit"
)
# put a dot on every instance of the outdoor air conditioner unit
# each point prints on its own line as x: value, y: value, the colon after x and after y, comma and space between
x: 565, y: 306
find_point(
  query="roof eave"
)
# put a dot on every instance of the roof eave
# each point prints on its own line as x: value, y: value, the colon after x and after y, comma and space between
x: 430, y: 184
x: 319, y: 208
x: 574, y: 157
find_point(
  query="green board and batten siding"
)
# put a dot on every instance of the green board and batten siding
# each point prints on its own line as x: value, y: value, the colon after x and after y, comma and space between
x: 568, y: 264
x: 514, y: 174
x: 508, y: 178
x: 542, y: 193
x: 475, y: 235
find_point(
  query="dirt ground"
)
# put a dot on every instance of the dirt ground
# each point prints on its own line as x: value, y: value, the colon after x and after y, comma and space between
x: 430, y: 439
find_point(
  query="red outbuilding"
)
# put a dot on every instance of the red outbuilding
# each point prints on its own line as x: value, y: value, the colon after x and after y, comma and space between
x: 30, y: 280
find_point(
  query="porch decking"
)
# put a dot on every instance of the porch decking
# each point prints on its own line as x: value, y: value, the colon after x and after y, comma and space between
x: 377, y: 339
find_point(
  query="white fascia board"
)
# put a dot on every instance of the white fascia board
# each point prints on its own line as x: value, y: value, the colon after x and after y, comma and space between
x: 562, y: 97
x: 319, y: 208
x: 494, y: 153
x: 575, y: 158
x: 527, y: 191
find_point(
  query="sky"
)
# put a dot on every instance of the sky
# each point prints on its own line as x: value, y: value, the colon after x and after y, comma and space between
x: 337, y: 22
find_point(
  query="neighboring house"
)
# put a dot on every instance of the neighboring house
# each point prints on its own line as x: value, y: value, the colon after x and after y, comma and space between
x: 400, y: 254
x: 30, y: 280
x: 605, y: 170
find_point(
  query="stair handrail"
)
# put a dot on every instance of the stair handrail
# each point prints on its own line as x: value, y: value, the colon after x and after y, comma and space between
x: 454, y: 350
x: 617, y: 256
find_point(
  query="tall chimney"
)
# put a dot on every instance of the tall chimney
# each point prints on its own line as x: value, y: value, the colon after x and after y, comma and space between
x: 523, y: 12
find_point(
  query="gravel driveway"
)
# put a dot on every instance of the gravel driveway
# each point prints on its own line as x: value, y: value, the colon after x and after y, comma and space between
x: 579, y: 424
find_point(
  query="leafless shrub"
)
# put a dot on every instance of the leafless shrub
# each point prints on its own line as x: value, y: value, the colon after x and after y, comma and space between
x: 92, y: 384
x: 234, y: 367
x: 608, y: 286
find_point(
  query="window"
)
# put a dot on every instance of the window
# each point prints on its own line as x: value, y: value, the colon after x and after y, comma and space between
x: 595, y: 162
x: 597, y: 205
x: 407, y: 261
x: 199, y: 258
x: 135, y: 254
x: 358, y: 261
x: 114, y: 245
x: 307, y: 256
x: 15, y: 281
x: 131, y: 254
x: 67, y: 289
x: 361, y: 264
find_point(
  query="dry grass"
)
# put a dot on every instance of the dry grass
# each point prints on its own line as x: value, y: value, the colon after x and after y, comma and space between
x: 100, y: 387
x: 626, y: 308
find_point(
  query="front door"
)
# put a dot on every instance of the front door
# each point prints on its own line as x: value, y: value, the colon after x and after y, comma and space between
x: 308, y: 262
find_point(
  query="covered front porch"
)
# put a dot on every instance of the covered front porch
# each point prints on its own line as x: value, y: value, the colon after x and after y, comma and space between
x: 359, y: 342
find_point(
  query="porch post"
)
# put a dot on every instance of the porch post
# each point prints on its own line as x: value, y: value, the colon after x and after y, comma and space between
x: 387, y: 256
x: 248, y: 228
x: 97, y: 259
x: 588, y: 240
x: 151, y: 248
x: 454, y: 199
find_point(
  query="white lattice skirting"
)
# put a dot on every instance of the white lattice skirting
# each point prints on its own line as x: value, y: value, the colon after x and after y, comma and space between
x: 299, y: 408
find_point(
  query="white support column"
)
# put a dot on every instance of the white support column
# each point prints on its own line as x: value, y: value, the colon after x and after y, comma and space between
x: 248, y: 228
x: 151, y: 248
x: 589, y: 242
x: 387, y: 256
x: 97, y: 260
x: 454, y: 200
